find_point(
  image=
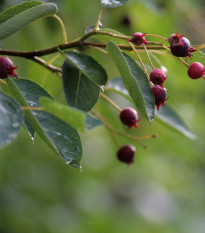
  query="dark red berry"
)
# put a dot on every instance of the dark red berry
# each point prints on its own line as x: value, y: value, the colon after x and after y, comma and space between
x: 138, y: 38
x: 160, y: 94
x: 157, y: 77
x: 129, y: 117
x: 126, y: 154
x: 6, y: 68
x: 180, y: 46
x: 196, y: 70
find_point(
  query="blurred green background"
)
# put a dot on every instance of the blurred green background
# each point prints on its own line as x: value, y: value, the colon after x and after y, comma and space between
x: 162, y: 192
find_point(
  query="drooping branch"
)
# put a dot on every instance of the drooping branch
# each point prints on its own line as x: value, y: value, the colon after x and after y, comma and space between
x: 78, y: 43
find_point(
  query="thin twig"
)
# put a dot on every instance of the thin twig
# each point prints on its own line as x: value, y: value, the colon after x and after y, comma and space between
x: 98, y: 20
x: 50, y: 67
x: 141, y: 62
x: 150, y: 61
x: 110, y: 101
x: 65, y: 39
x: 32, y: 108
x: 161, y: 37
x: 122, y: 133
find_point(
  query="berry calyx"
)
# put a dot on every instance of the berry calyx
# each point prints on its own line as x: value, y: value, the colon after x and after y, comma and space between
x: 6, y: 68
x: 180, y: 46
x: 126, y: 154
x: 129, y: 117
x: 138, y: 38
x: 196, y: 70
x: 157, y: 77
x: 175, y: 39
x: 160, y: 94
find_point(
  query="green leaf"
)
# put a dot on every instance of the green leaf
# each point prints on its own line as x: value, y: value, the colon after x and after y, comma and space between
x: 92, y: 122
x: 15, y: 10
x: 17, y: 17
x: 112, y: 3
x: 60, y: 137
x: 89, y: 67
x: 134, y: 80
x: 82, y: 76
x: 72, y: 116
x: 11, y: 118
x: 170, y: 118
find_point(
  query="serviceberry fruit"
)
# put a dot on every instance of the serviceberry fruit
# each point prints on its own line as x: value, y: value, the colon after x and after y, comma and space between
x: 126, y: 154
x: 6, y: 68
x: 160, y: 94
x: 196, y: 70
x: 180, y: 46
x: 138, y: 38
x: 129, y: 117
x: 157, y: 77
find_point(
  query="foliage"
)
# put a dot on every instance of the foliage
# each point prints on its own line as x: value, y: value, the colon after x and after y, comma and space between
x: 77, y: 117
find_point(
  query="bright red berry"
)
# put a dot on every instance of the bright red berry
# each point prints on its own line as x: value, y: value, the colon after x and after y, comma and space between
x: 129, y: 117
x: 180, y: 46
x: 6, y: 68
x: 126, y: 154
x: 138, y: 38
x: 157, y: 77
x: 196, y: 70
x: 160, y: 94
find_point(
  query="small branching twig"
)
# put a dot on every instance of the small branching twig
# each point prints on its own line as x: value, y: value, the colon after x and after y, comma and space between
x: 137, y: 139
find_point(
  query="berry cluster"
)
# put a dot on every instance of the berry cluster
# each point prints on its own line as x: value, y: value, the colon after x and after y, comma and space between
x: 129, y: 117
x: 157, y: 77
x: 179, y: 47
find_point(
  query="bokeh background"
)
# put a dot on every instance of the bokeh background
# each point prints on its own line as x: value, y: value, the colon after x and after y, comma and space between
x: 163, y: 191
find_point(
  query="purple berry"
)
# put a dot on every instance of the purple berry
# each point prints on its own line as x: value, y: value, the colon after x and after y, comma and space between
x: 126, y: 154
x: 6, y: 68
x: 196, y: 70
x: 129, y: 117
x: 180, y: 46
x: 160, y: 94
x: 157, y: 77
